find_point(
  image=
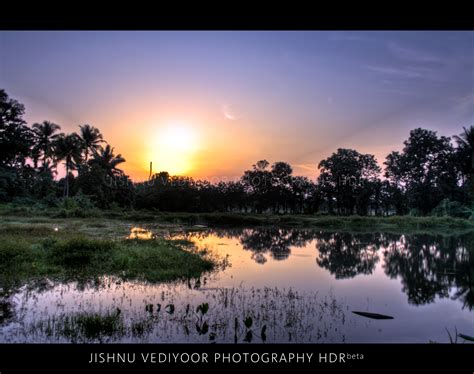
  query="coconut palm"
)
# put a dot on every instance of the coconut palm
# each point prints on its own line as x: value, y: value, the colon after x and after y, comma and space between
x: 465, y: 151
x: 45, y: 134
x: 106, y: 159
x: 68, y: 148
x: 466, y: 139
x: 91, y: 138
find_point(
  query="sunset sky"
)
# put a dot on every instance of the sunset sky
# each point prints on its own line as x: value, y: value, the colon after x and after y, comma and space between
x: 210, y: 104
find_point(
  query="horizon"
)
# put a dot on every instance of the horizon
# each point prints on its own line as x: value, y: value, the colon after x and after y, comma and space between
x: 210, y: 104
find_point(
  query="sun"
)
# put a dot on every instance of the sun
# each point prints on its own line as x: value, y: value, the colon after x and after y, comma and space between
x: 174, y: 148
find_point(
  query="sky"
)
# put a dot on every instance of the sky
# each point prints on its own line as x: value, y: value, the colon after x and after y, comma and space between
x: 209, y: 104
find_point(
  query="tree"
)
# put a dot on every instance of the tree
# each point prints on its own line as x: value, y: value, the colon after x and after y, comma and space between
x: 257, y: 184
x: 346, y: 179
x: 281, y: 178
x: 44, y: 138
x: 91, y: 139
x: 106, y: 159
x: 68, y: 149
x: 465, y: 158
x: 16, y: 140
x: 425, y: 169
x: 304, y: 195
x: 15, y: 137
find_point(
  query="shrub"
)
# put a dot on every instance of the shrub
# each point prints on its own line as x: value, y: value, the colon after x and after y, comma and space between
x: 453, y: 209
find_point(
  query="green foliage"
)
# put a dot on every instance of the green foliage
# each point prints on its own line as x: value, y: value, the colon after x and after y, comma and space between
x: 13, y: 251
x: 157, y: 260
x: 31, y: 250
x: 78, y: 252
x: 425, y: 170
x: 90, y: 327
x: 453, y: 209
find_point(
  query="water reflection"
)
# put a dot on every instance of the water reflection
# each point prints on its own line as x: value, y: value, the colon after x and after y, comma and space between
x: 157, y: 313
x: 346, y: 255
x: 140, y: 233
x: 429, y: 266
x: 276, y: 242
x: 278, y: 277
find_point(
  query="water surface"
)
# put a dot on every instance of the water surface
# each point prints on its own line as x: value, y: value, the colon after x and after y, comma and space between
x: 279, y: 285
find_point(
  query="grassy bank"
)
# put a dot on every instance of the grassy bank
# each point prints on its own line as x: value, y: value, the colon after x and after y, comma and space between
x: 29, y: 251
x: 38, y: 214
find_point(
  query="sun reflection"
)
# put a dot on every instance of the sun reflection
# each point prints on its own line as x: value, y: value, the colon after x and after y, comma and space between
x: 140, y: 233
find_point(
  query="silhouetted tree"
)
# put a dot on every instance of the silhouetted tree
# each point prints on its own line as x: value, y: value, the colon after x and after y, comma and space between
x: 45, y: 134
x: 346, y: 179
x: 91, y: 140
x: 465, y: 159
x: 106, y: 159
x: 68, y: 149
x: 16, y: 138
x: 425, y: 170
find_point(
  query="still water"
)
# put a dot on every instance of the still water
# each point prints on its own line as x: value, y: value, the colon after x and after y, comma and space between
x: 274, y: 285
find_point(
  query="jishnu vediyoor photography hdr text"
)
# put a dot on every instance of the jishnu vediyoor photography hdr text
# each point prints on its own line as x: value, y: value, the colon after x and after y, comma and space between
x: 222, y: 357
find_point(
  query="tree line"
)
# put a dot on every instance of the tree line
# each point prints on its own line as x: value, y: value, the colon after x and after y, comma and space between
x: 431, y: 175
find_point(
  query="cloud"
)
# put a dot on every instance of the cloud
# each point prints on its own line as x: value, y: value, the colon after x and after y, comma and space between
x: 465, y: 104
x: 350, y: 37
x: 308, y: 167
x: 407, y: 72
x: 414, y: 54
x: 396, y: 71
x: 229, y: 113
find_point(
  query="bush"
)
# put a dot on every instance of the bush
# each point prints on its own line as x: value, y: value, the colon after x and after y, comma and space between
x: 78, y: 201
x: 453, y: 209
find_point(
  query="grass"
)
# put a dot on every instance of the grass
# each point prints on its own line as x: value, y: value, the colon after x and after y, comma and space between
x: 344, y: 223
x: 28, y: 252
x: 221, y: 315
x: 95, y: 218
x: 86, y: 327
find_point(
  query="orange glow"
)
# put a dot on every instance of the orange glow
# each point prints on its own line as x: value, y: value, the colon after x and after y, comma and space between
x: 140, y: 233
x: 174, y: 148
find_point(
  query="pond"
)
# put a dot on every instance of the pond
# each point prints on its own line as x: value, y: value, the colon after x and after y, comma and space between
x: 275, y: 285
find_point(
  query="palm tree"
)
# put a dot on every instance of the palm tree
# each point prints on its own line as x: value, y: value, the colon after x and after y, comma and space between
x: 466, y: 138
x: 465, y: 143
x: 106, y: 159
x: 68, y: 148
x: 90, y: 138
x: 44, y: 136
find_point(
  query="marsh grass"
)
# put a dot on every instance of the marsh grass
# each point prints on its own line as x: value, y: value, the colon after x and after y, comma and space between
x: 83, y: 327
x: 225, y: 315
x: 68, y: 256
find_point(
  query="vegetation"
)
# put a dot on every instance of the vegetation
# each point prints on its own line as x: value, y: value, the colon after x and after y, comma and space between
x: 432, y: 175
x: 229, y: 315
x: 44, y: 252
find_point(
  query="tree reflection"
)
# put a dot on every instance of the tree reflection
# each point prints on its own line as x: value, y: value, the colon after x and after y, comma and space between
x: 275, y: 241
x: 432, y: 266
x: 429, y: 266
x: 346, y: 255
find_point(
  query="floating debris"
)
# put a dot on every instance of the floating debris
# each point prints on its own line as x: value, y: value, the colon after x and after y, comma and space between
x: 372, y: 315
x: 466, y: 337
